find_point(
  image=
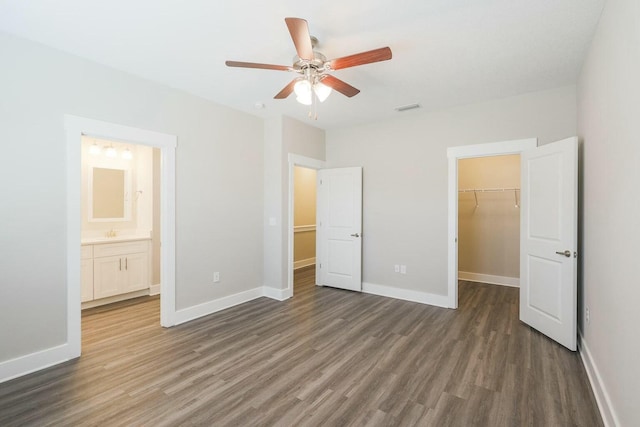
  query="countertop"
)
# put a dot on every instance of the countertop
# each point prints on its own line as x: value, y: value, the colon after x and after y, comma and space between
x: 117, y: 239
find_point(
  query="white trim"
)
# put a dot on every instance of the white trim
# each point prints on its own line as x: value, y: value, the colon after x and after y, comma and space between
x: 75, y: 128
x: 609, y: 417
x: 454, y: 154
x: 303, y: 228
x: 307, y: 162
x: 273, y: 293
x: 210, y: 307
x: 32, y: 362
x: 155, y: 289
x: 304, y: 263
x: 489, y: 278
x: 115, y: 298
x: 405, y: 294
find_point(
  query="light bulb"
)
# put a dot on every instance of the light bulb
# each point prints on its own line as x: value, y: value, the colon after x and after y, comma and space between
x: 322, y: 91
x: 111, y: 152
x: 94, y: 149
x: 127, y: 154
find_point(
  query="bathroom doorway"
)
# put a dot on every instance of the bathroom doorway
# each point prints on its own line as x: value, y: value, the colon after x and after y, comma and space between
x: 120, y: 232
x: 119, y: 260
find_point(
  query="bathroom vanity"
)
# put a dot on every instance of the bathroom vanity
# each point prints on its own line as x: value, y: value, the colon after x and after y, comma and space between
x: 114, y: 269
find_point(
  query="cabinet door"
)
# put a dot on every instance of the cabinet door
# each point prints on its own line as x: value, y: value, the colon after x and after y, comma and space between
x: 136, y: 269
x: 107, y: 276
x: 86, y: 280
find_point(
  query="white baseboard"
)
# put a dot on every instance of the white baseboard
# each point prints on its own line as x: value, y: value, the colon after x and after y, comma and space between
x: 304, y: 263
x: 154, y: 289
x: 277, y: 294
x: 609, y: 417
x: 488, y: 278
x: 29, y: 363
x: 405, y: 294
x: 210, y: 307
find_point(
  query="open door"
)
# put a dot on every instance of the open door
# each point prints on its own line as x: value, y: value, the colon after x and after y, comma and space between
x: 339, y: 228
x: 548, y: 240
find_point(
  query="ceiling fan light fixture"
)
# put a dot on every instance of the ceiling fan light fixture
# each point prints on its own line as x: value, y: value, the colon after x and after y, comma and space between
x: 322, y: 91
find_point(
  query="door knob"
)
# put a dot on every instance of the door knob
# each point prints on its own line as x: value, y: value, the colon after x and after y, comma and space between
x: 355, y: 235
x: 566, y: 253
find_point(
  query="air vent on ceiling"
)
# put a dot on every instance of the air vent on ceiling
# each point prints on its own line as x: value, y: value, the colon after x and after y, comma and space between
x: 407, y: 107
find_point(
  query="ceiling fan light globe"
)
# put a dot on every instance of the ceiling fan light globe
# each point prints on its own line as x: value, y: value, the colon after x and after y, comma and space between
x: 302, y: 88
x: 322, y: 91
x: 304, y: 99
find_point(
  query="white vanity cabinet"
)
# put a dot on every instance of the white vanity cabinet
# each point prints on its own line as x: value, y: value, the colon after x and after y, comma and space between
x: 86, y: 273
x: 118, y: 269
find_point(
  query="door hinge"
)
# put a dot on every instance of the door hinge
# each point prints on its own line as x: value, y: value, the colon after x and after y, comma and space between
x: 320, y: 182
x: 320, y: 265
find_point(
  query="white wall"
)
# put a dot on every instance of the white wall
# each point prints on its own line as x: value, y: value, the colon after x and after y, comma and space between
x: 608, y: 113
x: 219, y: 185
x: 405, y: 176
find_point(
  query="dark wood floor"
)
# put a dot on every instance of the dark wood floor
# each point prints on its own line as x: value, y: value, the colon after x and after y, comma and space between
x: 325, y: 357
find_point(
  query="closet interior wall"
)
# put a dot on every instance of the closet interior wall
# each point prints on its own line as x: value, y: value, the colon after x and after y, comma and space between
x: 489, y: 219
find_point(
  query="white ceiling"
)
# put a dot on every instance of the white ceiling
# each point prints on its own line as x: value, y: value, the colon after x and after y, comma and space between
x: 445, y: 52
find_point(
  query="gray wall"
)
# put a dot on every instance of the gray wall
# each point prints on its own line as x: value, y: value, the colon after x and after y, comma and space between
x: 405, y: 176
x: 219, y: 185
x: 608, y: 112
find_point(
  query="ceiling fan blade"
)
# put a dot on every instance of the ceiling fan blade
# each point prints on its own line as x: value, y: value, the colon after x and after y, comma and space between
x: 376, y: 55
x: 299, y: 30
x: 256, y: 65
x: 286, y: 91
x: 342, y: 87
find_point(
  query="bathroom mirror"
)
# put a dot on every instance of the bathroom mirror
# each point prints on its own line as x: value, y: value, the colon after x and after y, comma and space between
x: 109, y: 195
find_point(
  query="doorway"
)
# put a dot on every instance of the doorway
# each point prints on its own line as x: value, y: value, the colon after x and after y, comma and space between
x: 304, y: 223
x: 455, y: 154
x: 120, y: 211
x: 310, y: 164
x: 489, y: 220
x: 77, y: 128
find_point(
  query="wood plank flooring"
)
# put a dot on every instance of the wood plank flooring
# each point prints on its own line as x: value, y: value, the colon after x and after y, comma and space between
x: 325, y: 357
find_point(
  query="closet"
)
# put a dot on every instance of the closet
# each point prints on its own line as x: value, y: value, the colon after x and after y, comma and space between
x: 489, y: 220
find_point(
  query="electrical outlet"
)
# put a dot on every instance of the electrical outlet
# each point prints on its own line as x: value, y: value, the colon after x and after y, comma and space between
x: 403, y: 269
x: 396, y: 268
x: 216, y: 277
x: 587, y: 315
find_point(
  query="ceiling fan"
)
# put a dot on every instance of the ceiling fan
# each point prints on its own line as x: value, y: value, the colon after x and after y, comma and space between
x: 314, y: 67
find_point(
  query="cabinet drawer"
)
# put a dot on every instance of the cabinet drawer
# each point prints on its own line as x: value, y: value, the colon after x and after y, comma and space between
x: 115, y: 249
x: 86, y: 252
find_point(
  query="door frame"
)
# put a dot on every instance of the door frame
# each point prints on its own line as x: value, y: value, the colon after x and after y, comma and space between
x: 75, y: 128
x: 305, y: 162
x: 464, y: 152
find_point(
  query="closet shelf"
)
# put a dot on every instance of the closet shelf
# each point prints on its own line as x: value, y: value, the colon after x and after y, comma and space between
x: 475, y: 192
x: 486, y: 190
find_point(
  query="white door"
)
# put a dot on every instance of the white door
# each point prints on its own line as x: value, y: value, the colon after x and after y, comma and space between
x: 548, y: 240
x: 339, y: 228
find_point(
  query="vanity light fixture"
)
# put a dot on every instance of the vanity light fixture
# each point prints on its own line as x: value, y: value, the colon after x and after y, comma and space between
x: 94, y: 149
x: 127, y: 154
x: 111, y: 152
